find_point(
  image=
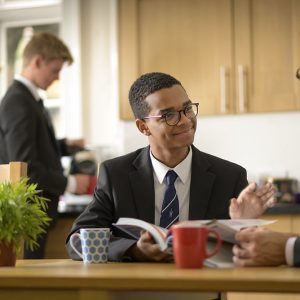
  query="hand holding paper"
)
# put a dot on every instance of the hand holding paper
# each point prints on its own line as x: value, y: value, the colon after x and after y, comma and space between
x: 146, y: 249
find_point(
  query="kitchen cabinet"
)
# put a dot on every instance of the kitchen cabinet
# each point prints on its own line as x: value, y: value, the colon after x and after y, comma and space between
x: 232, y: 56
x: 267, y: 55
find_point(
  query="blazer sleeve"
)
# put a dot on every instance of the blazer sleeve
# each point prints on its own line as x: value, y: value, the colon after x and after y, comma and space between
x: 101, y: 213
x: 20, y: 125
x: 242, y: 182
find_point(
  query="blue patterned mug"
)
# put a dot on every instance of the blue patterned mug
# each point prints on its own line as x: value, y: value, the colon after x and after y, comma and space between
x: 94, y: 244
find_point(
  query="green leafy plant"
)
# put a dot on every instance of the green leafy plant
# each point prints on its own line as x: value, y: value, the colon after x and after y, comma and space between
x: 23, y: 214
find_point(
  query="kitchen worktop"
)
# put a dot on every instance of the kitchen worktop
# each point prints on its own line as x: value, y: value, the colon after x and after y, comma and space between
x: 277, y: 209
x: 284, y: 208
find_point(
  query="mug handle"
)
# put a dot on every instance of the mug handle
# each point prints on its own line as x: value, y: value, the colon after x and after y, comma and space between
x: 218, y: 244
x: 73, y: 236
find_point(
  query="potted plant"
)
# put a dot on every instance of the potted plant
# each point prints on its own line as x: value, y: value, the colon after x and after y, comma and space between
x: 23, y: 217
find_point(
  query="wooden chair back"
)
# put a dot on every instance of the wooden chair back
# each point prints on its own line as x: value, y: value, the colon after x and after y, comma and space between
x: 13, y: 172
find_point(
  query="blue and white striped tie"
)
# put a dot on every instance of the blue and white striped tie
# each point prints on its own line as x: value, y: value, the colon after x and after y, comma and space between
x: 170, y: 206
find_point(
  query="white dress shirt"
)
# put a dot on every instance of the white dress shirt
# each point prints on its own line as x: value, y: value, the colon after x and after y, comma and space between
x: 182, y: 185
x: 289, y: 250
x: 34, y: 90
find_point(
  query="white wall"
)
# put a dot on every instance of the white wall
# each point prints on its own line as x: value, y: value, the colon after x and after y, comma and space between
x: 99, y: 71
x: 265, y: 144
x: 72, y: 106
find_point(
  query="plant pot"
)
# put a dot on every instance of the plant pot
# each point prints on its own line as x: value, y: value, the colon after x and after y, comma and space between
x: 7, y: 255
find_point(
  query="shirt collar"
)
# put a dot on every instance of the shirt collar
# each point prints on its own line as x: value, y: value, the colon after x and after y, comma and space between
x: 35, y: 91
x: 182, y: 169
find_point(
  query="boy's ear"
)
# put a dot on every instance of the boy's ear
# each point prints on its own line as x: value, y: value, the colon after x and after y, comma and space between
x: 37, y: 60
x: 142, y: 127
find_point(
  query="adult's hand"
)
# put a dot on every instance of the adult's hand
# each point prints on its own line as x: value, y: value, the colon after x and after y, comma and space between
x: 74, y: 145
x: 259, y: 246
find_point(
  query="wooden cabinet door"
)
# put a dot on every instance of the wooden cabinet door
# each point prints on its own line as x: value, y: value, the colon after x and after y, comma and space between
x: 233, y: 56
x: 191, y: 40
x: 296, y: 224
x: 267, y: 55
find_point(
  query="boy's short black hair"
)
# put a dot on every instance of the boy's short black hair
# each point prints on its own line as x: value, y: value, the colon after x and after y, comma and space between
x: 144, y: 86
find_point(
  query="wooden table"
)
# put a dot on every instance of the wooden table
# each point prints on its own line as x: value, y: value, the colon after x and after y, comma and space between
x: 65, y: 279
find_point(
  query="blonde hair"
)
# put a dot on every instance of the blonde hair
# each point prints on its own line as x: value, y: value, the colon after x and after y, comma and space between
x: 48, y: 46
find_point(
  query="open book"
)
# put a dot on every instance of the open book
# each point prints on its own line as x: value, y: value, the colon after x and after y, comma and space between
x: 131, y: 228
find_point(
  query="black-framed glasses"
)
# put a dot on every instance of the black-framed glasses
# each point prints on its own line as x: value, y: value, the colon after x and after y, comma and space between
x: 172, y: 118
x: 298, y: 74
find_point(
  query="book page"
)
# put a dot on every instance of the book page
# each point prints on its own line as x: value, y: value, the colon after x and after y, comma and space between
x: 226, y: 228
x: 133, y: 228
x: 223, y: 259
x: 238, y: 224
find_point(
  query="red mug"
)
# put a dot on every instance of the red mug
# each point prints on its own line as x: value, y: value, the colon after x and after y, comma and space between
x: 92, y: 185
x: 190, y: 245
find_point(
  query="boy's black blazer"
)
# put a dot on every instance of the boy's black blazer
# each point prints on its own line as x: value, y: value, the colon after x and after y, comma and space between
x: 125, y: 188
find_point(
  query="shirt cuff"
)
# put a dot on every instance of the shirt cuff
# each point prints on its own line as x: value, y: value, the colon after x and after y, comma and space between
x: 289, y: 251
x: 71, y: 185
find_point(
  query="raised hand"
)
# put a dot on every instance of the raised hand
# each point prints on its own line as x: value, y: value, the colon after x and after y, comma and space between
x: 252, y: 202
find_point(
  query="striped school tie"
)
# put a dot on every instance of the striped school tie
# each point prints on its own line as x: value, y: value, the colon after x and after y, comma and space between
x: 170, y: 206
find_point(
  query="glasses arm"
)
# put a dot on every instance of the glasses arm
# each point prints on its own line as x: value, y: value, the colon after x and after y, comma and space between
x: 150, y: 117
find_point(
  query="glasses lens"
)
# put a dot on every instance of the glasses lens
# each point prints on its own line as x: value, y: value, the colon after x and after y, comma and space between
x: 172, y: 118
x: 191, y: 111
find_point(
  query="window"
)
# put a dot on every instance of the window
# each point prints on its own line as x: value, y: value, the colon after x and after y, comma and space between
x: 18, y: 21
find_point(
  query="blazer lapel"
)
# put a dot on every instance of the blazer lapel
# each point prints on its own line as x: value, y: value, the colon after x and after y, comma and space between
x: 201, y: 186
x: 142, y: 184
x: 49, y: 124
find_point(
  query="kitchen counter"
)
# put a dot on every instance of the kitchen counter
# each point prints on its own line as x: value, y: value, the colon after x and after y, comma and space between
x: 71, y: 211
x: 73, y: 205
x: 283, y: 208
x: 278, y: 209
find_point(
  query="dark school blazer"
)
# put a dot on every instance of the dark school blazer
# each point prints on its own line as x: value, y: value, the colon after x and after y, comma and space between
x: 125, y: 188
x: 25, y: 136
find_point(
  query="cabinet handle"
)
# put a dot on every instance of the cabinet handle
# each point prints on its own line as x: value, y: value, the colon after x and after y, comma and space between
x: 223, y: 104
x: 242, y: 99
